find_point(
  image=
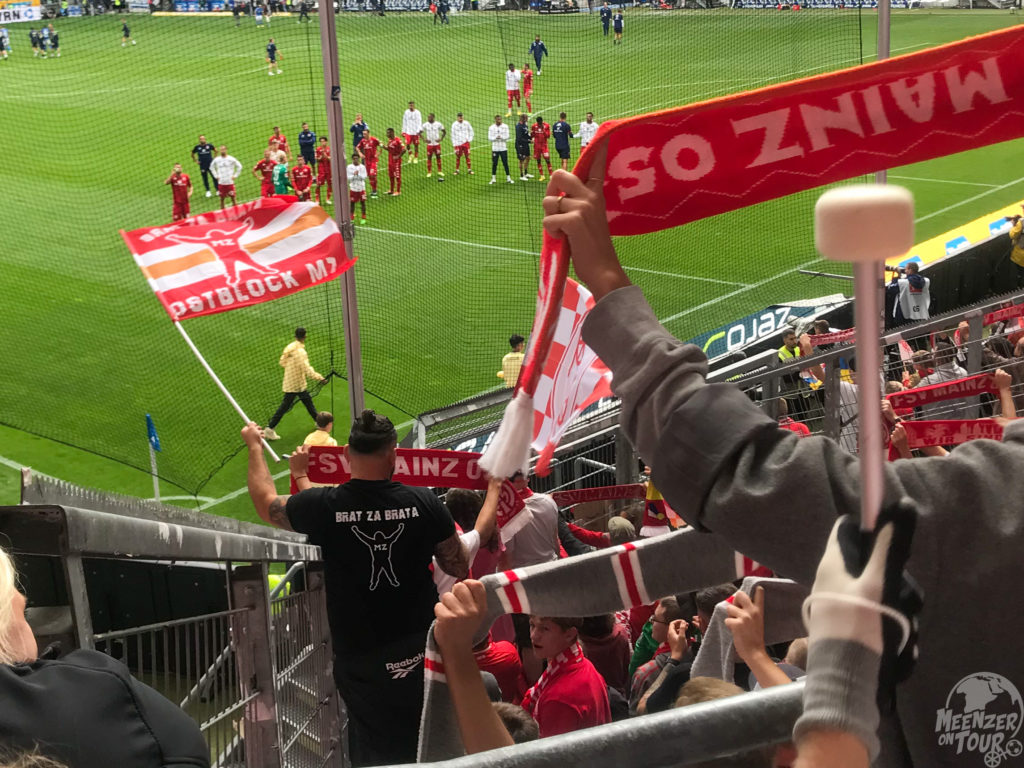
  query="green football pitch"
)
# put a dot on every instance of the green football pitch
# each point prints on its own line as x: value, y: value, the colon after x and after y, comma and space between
x: 446, y: 271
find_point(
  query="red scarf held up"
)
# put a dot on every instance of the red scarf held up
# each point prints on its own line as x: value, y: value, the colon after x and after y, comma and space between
x: 947, y: 390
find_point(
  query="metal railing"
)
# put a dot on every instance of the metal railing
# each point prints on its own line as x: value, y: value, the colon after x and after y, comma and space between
x: 254, y: 676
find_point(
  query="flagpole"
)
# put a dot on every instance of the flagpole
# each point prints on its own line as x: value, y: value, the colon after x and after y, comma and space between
x: 152, y: 469
x: 220, y: 385
x: 342, y: 207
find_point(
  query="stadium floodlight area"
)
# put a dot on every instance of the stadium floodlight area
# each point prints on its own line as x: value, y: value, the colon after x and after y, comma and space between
x: 446, y: 272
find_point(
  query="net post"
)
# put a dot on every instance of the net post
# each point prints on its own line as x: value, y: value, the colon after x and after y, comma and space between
x: 152, y: 469
x: 220, y: 384
x: 342, y: 206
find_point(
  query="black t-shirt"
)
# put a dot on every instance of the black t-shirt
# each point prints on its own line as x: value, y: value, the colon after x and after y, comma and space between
x: 377, y: 538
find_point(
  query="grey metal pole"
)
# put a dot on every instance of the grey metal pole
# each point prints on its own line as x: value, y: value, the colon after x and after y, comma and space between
x: 342, y: 209
x: 882, y: 53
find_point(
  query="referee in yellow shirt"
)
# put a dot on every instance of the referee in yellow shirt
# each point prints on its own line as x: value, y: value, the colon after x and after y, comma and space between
x: 296, y: 366
x: 513, y: 361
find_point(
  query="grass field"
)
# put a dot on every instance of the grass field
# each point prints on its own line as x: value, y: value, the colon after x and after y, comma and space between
x: 446, y: 271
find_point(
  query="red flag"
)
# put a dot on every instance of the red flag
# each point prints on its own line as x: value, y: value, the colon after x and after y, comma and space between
x: 243, y: 255
x: 573, y: 378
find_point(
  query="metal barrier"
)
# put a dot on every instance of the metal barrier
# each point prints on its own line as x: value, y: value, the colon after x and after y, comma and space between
x: 255, y: 676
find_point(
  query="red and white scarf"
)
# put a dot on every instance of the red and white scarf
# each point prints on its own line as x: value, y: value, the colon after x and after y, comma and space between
x: 567, y: 659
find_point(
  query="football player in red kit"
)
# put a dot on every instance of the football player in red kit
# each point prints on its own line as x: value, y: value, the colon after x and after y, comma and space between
x: 181, y: 186
x: 369, y: 148
x: 264, y: 171
x: 281, y: 141
x: 527, y: 76
x: 395, y: 149
x: 540, y: 132
x: 302, y: 178
x: 323, y: 169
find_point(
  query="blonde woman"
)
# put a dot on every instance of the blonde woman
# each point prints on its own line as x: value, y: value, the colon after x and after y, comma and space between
x: 84, y: 709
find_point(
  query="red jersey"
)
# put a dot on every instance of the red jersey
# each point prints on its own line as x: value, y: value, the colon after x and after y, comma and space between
x: 282, y: 142
x: 395, y: 149
x: 574, y: 698
x: 323, y: 157
x: 266, y: 167
x: 501, y: 659
x: 368, y: 146
x: 302, y: 177
x: 527, y: 75
x: 180, y: 185
x: 540, y: 132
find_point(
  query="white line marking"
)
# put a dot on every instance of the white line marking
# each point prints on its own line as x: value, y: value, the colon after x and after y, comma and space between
x: 522, y: 252
x: 943, y: 181
x: 738, y: 291
x: 968, y: 200
x: 182, y: 498
x: 239, y: 492
x: 12, y: 464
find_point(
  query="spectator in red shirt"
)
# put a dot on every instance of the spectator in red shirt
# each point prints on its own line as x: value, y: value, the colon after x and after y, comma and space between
x: 501, y: 659
x: 570, y: 694
x: 785, y: 422
x: 606, y: 643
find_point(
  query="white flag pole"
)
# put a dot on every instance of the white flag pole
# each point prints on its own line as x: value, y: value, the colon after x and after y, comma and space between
x: 220, y: 385
x: 152, y: 469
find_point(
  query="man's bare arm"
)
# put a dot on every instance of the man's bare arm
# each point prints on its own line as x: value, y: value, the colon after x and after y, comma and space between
x: 452, y: 558
x: 269, y: 506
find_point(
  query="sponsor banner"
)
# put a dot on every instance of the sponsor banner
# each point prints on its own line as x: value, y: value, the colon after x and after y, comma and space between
x: 925, y: 434
x: 758, y: 326
x: 604, y: 493
x: 243, y: 255
x: 949, y: 390
x: 955, y: 240
x: 74, y: 10
x: 17, y: 13
x: 138, y: 6
x: 1006, y: 313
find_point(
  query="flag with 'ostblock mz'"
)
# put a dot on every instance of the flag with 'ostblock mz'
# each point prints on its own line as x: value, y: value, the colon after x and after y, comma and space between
x: 243, y: 255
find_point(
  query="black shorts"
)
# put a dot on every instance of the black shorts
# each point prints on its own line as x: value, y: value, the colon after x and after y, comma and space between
x: 523, y: 151
x: 563, y: 152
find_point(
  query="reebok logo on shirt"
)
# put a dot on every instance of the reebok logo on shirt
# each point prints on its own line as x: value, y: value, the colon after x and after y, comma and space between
x: 399, y: 669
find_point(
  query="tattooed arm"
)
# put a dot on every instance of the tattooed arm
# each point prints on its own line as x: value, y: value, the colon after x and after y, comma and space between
x: 269, y: 506
x: 451, y: 556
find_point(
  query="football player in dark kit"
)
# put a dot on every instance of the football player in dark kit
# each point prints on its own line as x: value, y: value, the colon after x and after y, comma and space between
x: 202, y: 153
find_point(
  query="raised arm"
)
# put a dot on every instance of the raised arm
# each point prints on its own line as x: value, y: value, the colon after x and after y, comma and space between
x: 487, y: 518
x: 452, y: 558
x: 1004, y: 382
x: 269, y: 505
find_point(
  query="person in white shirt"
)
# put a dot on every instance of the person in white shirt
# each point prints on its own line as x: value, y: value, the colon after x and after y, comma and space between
x: 497, y: 134
x: 462, y: 134
x: 479, y: 535
x: 412, y: 124
x: 587, y: 130
x: 434, y: 132
x: 512, y: 78
x: 356, y: 173
x: 225, y: 169
x: 537, y: 541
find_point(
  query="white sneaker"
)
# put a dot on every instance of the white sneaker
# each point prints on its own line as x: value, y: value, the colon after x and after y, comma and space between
x: 493, y: 180
x: 279, y: 71
x: 522, y: 178
x: 270, y: 73
x: 529, y: 175
x: 509, y: 180
x: 209, y: 193
x: 270, y: 434
x: 133, y: 43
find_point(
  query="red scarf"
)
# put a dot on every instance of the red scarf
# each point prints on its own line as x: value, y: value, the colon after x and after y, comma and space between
x: 946, y: 390
x: 567, y: 659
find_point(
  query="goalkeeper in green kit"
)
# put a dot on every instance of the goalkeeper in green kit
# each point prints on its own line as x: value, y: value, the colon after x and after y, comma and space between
x: 281, y: 182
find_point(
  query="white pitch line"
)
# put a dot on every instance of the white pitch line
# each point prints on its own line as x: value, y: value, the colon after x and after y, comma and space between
x: 239, y: 492
x: 521, y: 252
x: 968, y: 200
x: 943, y: 181
x: 10, y: 463
x: 183, y: 498
x: 738, y: 291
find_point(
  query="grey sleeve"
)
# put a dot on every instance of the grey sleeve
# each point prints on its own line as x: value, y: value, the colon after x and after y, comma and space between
x: 727, y: 467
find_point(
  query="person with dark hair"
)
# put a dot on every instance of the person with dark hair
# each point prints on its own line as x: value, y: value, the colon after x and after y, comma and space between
x: 665, y: 615
x: 378, y: 538
x: 295, y: 362
x: 945, y: 369
x: 512, y: 362
x: 520, y: 726
x: 912, y: 295
x: 605, y: 642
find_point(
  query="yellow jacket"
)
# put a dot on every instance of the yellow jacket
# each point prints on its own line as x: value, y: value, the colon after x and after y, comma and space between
x: 1017, y: 255
x: 510, y: 366
x: 296, y: 366
x: 320, y: 437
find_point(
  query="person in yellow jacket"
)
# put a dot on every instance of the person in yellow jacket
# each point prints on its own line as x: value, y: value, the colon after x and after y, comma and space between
x: 322, y: 434
x: 297, y: 369
x: 1017, y: 238
x: 512, y: 363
